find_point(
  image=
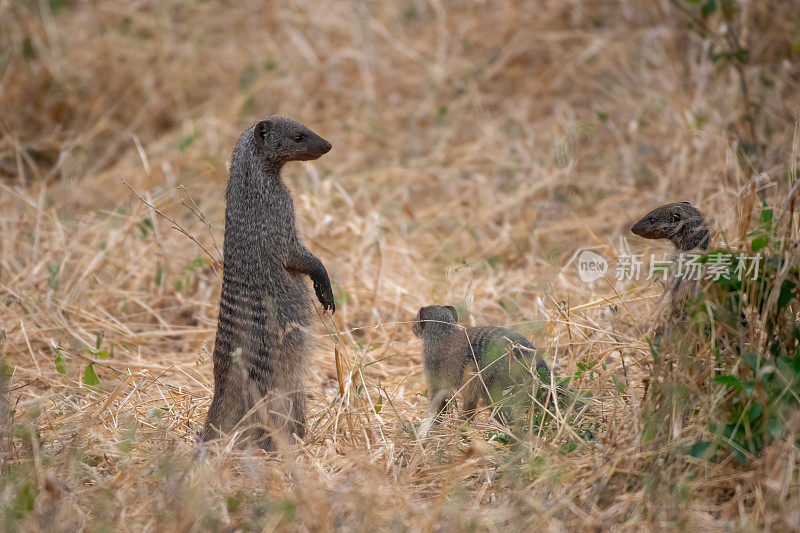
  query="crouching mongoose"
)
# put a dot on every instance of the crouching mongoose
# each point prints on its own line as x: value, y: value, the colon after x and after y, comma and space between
x: 485, y: 362
x: 262, y: 340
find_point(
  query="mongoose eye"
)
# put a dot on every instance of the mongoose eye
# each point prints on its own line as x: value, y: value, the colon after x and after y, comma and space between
x: 674, y: 218
x: 299, y: 137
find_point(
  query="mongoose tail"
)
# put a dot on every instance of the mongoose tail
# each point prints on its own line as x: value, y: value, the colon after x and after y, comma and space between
x: 262, y: 343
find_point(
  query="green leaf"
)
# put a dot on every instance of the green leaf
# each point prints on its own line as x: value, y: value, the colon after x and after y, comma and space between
x: 700, y: 449
x: 379, y: 404
x: 232, y: 503
x: 61, y: 368
x: 759, y: 242
x: 289, y: 510
x: 751, y: 359
x: 708, y: 8
x: 740, y: 457
x: 145, y: 225
x: 89, y: 377
x: 730, y: 381
x: 774, y: 427
x: 441, y: 114
x: 57, y: 5
x: 502, y: 438
x: 102, y: 354
x: 766, y: 217
x: 654, y: 351
x: 53, y: 268
x: 187, y: 141
x: 740, y: 54
x: 493, y: 260
x: 754, y: 413
x: 25, y: 500
x: 786, y: 295
x: 648, y: 434
x: 568, y: 447
x: 619, y: 383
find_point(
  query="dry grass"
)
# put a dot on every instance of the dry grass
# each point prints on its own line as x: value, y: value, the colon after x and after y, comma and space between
x: 477, y: 146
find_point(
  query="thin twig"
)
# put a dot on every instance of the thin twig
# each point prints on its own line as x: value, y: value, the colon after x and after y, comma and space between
x: 195, y: 209
x: 178, y: 227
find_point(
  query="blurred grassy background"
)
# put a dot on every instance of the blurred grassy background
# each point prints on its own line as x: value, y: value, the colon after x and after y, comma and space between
x: 477, y: 146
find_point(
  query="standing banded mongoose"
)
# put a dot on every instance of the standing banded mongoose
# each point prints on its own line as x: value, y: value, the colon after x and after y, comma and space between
x: 262, y: 341
x: 484, y: 362
x: 684, y: 226
x: 687, y: 228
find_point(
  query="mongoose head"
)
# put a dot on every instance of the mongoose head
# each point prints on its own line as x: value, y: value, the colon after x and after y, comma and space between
x: 434, y: 316
x: 281, y: 140
x: 680, y: 222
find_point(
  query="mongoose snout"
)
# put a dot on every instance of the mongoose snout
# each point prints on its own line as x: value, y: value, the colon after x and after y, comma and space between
x: 491, y: 363
x: 315, y: 150
x: 282, y: 139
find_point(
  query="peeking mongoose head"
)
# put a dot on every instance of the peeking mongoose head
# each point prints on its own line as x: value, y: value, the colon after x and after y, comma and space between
x: 680, y: 222
x: 434, y: 316
x: 281, y: 140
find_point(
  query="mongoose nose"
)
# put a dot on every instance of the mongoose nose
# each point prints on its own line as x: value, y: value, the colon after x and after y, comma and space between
x: 327, y: 147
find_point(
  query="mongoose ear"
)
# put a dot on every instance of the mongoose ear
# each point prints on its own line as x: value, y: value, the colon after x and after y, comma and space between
x: 452, y: 310
x: 418, y: 325
x: 261, y: 130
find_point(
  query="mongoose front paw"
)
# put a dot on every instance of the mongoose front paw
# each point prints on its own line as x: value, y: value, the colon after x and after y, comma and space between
x: 325, y: 295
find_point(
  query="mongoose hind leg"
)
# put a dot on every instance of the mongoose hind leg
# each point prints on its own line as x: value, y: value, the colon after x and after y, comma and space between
x: 439, y: 399
x: 224, y: 411
x: 297, y: 424
x: 286, y: 415
x: 472, y: 393
x: 258, y: 426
